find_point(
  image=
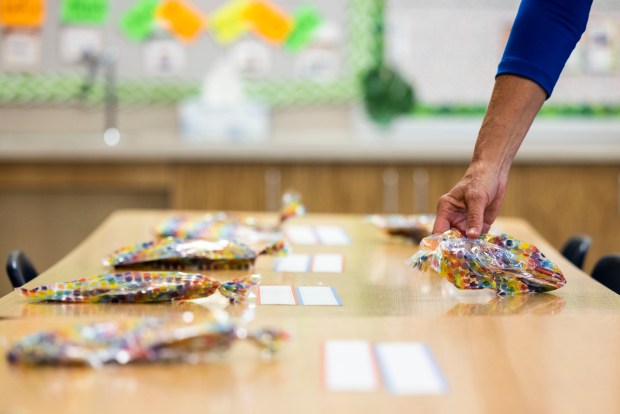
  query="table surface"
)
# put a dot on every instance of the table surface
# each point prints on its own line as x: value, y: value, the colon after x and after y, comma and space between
x: 554, y: 352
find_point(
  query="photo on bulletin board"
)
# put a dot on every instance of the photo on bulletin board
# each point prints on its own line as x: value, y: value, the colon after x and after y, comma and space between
x: 21, y: 50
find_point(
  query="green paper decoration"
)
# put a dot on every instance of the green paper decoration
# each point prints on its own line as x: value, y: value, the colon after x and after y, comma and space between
x: 137, y: 23
x: 306, y: 20
x: 84, y: 11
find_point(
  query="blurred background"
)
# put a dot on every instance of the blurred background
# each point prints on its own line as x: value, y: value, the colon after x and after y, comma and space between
x: 362, y: 106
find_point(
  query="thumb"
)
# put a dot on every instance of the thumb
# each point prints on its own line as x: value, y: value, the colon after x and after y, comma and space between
x: 475, y: 213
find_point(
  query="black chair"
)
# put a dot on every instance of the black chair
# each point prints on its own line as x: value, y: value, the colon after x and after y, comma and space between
x: 576, y: 249
x: 20, y: 269
x: 607, y: 272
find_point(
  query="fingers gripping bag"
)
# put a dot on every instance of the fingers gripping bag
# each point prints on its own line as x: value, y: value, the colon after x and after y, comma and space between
x: 499, y: 262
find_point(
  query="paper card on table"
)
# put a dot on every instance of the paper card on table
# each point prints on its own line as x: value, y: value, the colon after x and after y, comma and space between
x: 349, y: 366
x: 138, y: 22
x: 21, y: 50
x: 318, y: 296
x: 22, y: 13
x: 409, y: 368
x: 228, y: 22
x: 84, y: 11
x: 306, y: 20
x: 303, y: 235
x: 182, y: 19
x: 268, y: 21
x: 275, y: 295
x: 332, y: 236
x: 294, y: 263
x: 327, y: 263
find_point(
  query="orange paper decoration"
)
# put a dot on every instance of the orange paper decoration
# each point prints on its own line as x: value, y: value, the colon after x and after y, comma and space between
x: 269, y: 22
x: 22, y: 13
x: 182, y: 19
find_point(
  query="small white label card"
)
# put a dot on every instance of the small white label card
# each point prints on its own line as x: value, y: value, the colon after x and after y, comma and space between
x: 276, y: 295
x: 303, y: 235
x: 327, y: 263
x: 318, y: 296
x: 294, y: 263
x: 302, y: 295
x: 302, y: 263
x: 349, y: 366
x: 332, y: 236
x: 327, y: 235
x: 409, y: 368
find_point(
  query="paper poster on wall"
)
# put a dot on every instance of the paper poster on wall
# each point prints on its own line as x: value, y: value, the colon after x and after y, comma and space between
x: 22, y: 13
x: 601, y: 48
x: 251, y: 58
x: 138, y: 21
x: 164, y: 57
x: 228, y: 23
x: 21, y: 50
x: 321, y: 58
x: 269, y: 22
x: 84, y: 11
x: 76, y: 42
x: 181, y: 19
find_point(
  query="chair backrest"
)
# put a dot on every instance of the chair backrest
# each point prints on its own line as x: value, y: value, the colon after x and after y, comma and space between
x: 576, y: 249
x: 20, y: 269
x: 607, y: 272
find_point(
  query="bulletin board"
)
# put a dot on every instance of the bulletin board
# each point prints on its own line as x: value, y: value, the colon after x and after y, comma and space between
x: 316, y: 56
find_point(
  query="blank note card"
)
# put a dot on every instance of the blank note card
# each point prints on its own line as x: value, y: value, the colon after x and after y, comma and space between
x: 294, y: 263
x: 318, y: 295
x: 332, y: 236
x: 409, y: 368
x: 276, y: 295
x: 349, y: 366
x: 303, y: 235
x: 327, y: 263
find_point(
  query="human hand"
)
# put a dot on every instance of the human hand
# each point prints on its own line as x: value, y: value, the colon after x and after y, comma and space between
x: 473, y: 204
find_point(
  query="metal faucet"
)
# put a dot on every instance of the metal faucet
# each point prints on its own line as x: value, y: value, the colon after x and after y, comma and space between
x: 107, y: 61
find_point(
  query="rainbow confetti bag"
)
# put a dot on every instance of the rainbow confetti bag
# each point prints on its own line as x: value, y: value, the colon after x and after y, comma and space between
x: 190, y: 254
x: 500, y: 262
x: 139, y: 340
x: 142, y: 287
x: 414, y: 227
x: 215, y: 226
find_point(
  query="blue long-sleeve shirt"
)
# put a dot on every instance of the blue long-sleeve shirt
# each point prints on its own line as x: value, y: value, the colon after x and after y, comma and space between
x: 542, y: 38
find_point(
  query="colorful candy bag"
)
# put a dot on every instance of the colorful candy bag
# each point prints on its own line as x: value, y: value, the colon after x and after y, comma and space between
x: 223, y: 226
x: 142, y: 287
x: 139, y: 340
x: 190, y: 254
x: 414, y: 227
x: 500, y: 262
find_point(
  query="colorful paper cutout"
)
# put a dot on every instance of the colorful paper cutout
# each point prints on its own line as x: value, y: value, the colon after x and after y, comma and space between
x: 22, y: 13
x: 182, y: 19
x: 269, y: 22
x: 137, y: 23
x: 307, y: 19
x: 84, y: 11
x: 229, y: 22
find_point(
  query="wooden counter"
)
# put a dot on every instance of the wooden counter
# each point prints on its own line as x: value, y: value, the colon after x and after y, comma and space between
x: 546, y: 353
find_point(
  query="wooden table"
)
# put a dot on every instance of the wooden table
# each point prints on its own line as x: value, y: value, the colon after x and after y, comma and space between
x: 543, y: 353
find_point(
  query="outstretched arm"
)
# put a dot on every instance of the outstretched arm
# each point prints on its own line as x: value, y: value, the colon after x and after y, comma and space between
x: 542, y: 38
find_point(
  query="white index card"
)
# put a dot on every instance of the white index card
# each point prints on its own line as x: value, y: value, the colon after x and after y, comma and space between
x: 303, y: 235
x: 409, y: 368
x: 276, y: 295
x: 294, y: 263
x: 318, y: 295
x: 327, y: 263
x: 349, y: 366
x: 332, y: 235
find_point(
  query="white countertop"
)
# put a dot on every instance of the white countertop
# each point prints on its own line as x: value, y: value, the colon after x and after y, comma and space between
x: 551, y: 140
